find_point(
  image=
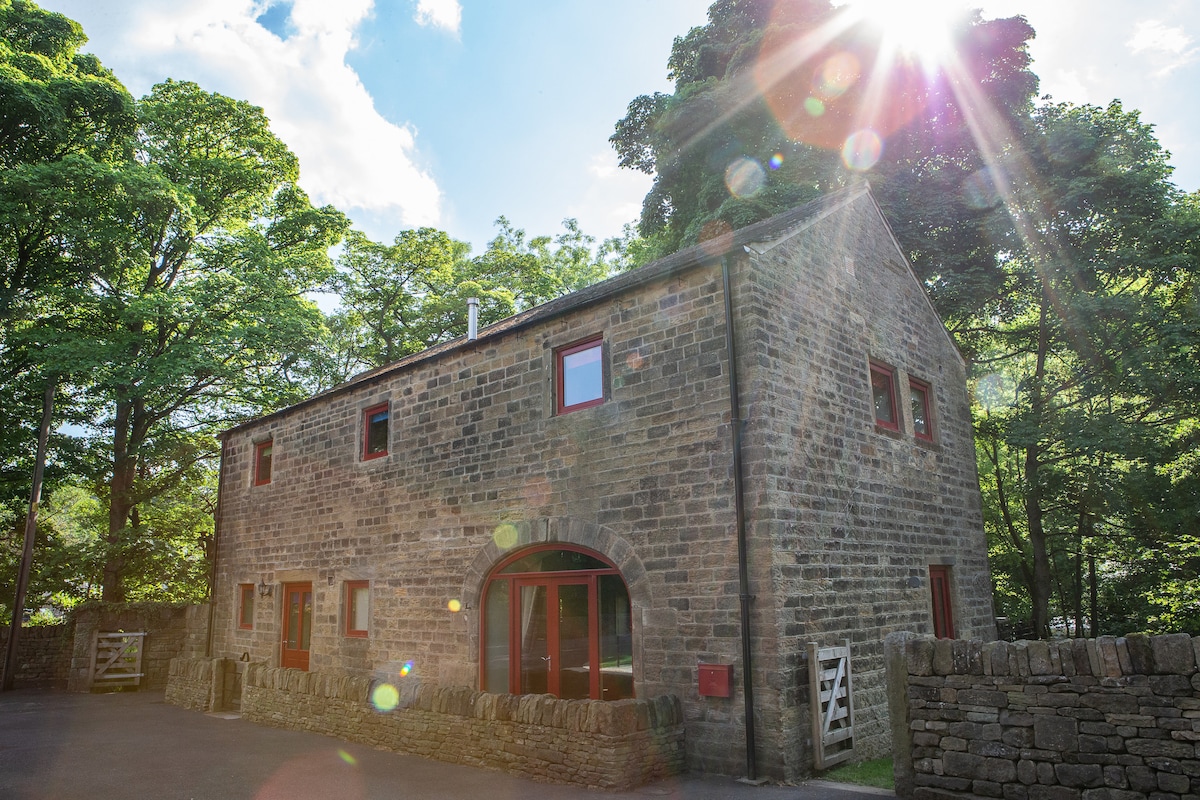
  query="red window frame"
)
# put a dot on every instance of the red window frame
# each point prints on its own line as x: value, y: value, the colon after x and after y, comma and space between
x: 883, y: 378
x: 560, y: 391
x: 367, y: 452
x: 943, y: 606
x: 246, y: 606
x: 262, y: 462
x: 352, y: 588
x: 923, y: 406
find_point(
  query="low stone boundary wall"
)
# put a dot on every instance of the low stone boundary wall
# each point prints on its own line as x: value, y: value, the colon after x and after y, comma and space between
x: 43, y: 656
x: 1096, y: 719
x: 597, y: 744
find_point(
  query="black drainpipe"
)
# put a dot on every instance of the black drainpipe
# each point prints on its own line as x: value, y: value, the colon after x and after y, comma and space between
x: 745, y: 598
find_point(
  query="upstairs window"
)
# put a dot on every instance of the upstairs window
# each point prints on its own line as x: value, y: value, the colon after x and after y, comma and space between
x: 375, y: 431
x: 580, y: 372
x: 883, y: 394
x: 922, y: 421
x: 358, y: 608
x: 262, y: 462
x: 246, y: 606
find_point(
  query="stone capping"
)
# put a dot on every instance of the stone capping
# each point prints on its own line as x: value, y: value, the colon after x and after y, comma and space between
x: 1110, y: 718
x: 598, y: 744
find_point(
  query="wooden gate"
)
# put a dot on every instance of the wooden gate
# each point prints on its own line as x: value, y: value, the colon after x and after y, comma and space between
x: 117, y: 659
x: 832, y: 693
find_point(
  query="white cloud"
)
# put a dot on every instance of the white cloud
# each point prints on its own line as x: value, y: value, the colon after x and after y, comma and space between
x: 1168, y: 47
x: 446, y: 14
x: 350, y: 155
x: 612, y: 198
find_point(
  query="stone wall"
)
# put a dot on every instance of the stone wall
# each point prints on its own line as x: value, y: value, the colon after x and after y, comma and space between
x: 1098, y: 719
x: 43, y: 656
x: 172, y: 631
x: 597, y: 744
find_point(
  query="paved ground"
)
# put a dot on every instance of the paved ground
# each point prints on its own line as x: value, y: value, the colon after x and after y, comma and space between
x: 58, y: 746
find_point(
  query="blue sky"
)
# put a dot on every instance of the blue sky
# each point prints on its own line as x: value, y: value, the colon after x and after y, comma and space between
x: 452, y: 112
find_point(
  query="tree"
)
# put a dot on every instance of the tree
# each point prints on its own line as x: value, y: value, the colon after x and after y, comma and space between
x: 768, y: 99
x: 1092, y: 327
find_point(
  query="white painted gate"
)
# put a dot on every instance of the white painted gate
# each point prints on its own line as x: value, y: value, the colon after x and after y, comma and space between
x: 832, y: 692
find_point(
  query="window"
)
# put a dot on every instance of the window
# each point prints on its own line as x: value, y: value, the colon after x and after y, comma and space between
x: 375, y: 431
x: 557, y: 620
x: 922, y: 421
x: 246, y: 606
x: 262, y: 462
x: 358, y: 607
x: 943, y: 611
x: 580, y: 373
x: 883, y: 394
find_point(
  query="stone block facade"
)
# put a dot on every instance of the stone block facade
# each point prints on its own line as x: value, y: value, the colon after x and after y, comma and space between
x: 1098, y: 719
x: 843, y: 517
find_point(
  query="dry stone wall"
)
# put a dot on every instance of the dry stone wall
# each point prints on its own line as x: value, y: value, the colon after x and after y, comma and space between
x: 43, y: 656
x: 605, y: 745
x: 1097, y: 719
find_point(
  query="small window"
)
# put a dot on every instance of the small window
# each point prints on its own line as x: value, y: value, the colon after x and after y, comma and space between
x: 262, y: 462
x: 922, y: 421
x: 375, y: 431
x: 580, y: 369
x: 246, y: 606
x: 883, y: 393
x: 943, y: 610
x: 358, y: 607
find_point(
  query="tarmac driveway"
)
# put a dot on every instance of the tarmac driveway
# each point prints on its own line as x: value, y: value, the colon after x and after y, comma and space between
x: 58, y: 746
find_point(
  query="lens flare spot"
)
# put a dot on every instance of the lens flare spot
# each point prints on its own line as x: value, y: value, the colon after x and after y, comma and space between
x: 349, y: 759
x: 839, y: 72
x: 776, y: 161
x: 385, y: 697
x: 454, y: 605
x: 814, y: 107
x: 406, y: 669
x: 505, y: 536
x: 862, y: 149
x: 979, y: 190
x: 745, y: 177
x: 635, y: 360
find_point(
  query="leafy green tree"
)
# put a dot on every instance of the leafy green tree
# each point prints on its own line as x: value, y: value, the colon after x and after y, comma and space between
x: 1093, y: 327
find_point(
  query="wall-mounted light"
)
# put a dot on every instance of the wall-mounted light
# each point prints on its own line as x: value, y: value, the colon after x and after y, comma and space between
x: 264, y: 588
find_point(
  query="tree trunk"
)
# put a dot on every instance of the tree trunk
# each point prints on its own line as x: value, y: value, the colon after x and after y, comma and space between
x: 119, y: 505
x: 1039, y: 591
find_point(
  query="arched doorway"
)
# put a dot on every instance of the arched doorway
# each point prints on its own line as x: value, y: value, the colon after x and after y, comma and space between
x: 556, y: 620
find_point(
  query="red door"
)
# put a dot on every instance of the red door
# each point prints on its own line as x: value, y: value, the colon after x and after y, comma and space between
x: 557, y: 637
x: 297, y: 625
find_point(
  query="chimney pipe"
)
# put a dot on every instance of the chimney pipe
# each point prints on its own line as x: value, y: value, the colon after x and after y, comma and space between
x: 472, y: 318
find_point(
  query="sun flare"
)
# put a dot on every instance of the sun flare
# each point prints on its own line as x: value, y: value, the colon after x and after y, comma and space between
x: 920, y: 28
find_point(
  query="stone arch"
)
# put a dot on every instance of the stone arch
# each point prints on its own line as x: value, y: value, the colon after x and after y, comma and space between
x: 510, y: 537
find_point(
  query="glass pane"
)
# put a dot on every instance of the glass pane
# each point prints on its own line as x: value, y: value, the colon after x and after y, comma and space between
x: 293, y: 620
x: 574, y: 656
x: 583, y: 376
x: 920, y: 411
x: 554, y: 561
x: 535, y: 658
x: 495, y: 659
x: 616, y: 639
x: 247, y: 615
x: 377, y: 432
x: 360, y: 606
x: 306, y: 621
x: 881, y: 388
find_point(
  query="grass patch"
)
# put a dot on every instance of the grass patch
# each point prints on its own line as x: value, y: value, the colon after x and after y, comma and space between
x: 877, y: 773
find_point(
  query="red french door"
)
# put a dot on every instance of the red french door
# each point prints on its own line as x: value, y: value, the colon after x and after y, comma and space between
x: 557, y: 637
x: 297, y: 625
x: 943, y: 609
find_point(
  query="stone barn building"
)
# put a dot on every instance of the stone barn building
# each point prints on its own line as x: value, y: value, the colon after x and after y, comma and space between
x: 668, y: 483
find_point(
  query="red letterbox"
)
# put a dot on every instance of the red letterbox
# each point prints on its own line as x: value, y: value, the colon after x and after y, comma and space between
x: 716, y: 680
